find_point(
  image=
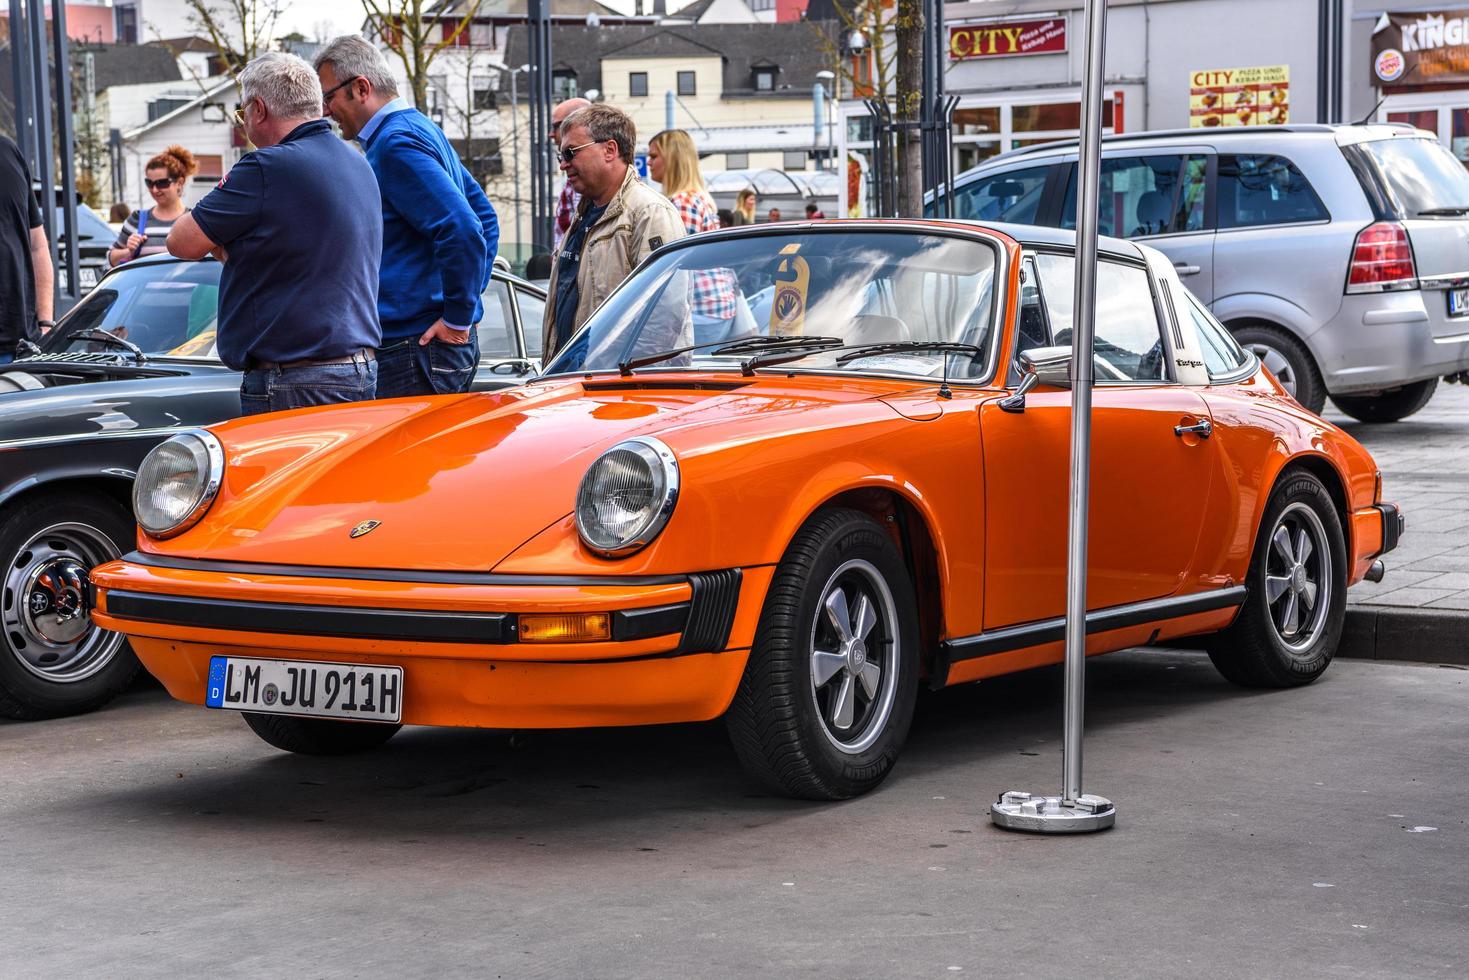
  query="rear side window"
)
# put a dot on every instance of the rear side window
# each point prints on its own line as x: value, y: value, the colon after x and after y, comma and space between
x: 1142, y: 196
x: 1014, y: 195
x: 1262, y: 189
x: 1222, y: 355
x: 1422, y: 174
x: 1127, y: 342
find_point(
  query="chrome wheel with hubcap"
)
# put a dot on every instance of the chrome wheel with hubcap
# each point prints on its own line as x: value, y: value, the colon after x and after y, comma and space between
x: 1298, y: 577
x: 854, y: 654
x: 46, y: 613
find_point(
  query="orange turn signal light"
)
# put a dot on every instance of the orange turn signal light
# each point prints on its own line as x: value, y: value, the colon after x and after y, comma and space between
x: 565, y: 627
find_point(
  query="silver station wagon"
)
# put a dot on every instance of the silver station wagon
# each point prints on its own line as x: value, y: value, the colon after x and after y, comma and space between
x: 1338, y: 254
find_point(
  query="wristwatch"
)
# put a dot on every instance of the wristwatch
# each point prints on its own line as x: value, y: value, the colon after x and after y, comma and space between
x: 45, y: 324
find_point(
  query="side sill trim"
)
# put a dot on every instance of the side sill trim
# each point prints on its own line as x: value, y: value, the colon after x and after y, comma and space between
x: 1010, y: 638
x: 392, y: 574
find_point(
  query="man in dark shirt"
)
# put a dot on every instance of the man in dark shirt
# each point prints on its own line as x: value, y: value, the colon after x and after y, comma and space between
x: 298, y: 225
x: 26, y: 292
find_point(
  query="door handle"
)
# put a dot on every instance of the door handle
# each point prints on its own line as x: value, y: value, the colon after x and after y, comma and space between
x: 1186, y: 270
x: 1203, y: 428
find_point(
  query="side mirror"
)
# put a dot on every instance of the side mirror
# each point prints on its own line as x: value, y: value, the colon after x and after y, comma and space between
x: 1042, y: 365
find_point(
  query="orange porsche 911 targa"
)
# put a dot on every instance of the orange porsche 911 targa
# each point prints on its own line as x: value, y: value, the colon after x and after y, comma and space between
x: 785, y: 475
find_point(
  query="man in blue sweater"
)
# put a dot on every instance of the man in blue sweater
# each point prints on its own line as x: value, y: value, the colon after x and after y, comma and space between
x: 439, y: 230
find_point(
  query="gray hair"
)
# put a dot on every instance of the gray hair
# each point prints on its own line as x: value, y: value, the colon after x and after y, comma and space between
x: 352, y: 55
x: 603, y: 123
x: 285, y: 83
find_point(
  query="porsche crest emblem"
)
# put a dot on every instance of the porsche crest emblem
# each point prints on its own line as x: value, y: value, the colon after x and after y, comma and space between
x: 364, y: 527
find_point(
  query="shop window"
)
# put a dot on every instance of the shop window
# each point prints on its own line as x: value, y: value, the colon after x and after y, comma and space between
x: 1014, y: 195
x: 737, y: 161
x: 563, y: 85
x: 984, y: 121
x: 1257, y: 189
x: 967, y: 156
x: 793, y: 160
x: 1421, y: 118
x: 637, y: 84
x: 1053, y: 116
x: 686, y: 83
x: 1143, y: 196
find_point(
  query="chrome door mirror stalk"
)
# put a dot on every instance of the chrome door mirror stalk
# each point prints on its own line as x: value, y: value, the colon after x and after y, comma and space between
x: 1042, y: 365
x: 1015, y: 403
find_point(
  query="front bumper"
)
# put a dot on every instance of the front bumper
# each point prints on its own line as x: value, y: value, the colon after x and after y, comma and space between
x: 678, y: 646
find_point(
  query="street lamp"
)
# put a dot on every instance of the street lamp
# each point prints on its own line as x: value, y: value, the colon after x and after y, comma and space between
x: 828, y: 79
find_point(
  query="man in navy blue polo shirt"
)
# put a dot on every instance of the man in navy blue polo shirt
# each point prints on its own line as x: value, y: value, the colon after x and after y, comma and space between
x: 439, y: 230
x: 298, y: 226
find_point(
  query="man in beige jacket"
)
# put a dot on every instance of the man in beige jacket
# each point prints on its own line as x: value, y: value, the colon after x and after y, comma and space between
x: 618, y: 222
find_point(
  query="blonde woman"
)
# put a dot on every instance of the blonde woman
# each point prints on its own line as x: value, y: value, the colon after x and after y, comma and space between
x: 674, y: 163
x: 145, y: 230
x: 744, y: 209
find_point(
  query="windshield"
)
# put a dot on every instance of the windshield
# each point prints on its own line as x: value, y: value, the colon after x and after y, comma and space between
x: 1422, y: 174
x: 860, y: 288
x: 167, y: 308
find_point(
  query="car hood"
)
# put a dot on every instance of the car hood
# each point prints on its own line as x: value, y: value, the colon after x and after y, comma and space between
x: 460, y: 482
x: 42, y: 398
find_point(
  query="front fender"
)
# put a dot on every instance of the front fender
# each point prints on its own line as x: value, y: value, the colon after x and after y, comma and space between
x: 29, y: 463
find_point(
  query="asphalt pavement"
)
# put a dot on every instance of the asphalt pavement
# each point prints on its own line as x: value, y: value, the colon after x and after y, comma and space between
x: 1317, y: 832
x: 1420, y: 610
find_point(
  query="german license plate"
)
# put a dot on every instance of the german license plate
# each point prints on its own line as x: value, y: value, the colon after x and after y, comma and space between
x: 295, y: 687
x: 87, y: 276
x: 1458, y: 302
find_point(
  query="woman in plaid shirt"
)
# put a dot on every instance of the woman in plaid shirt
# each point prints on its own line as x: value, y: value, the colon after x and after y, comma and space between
x: 673, y: 163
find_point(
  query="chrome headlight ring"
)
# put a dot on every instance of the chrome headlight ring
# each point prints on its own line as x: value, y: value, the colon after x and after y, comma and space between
x: 201, y: 453
x: 627, y: 496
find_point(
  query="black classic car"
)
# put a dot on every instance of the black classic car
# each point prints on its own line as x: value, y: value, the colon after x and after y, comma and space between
x: 132, y: 363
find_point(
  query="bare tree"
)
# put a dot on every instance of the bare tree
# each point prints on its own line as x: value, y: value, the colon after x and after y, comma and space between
x: 869, y: 19
x: 406, y: 28
x: 238, y: 29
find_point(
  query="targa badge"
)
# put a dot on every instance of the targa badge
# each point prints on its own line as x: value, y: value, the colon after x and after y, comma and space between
x: 364, y: 527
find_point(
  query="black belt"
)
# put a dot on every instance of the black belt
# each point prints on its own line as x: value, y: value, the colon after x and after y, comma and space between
x: 363, y: 354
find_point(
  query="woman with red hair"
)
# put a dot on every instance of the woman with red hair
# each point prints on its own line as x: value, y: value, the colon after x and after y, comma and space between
x: 145, y: 231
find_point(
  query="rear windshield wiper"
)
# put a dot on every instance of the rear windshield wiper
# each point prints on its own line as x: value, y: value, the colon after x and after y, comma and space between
x: 728, y: 347
x: 1446, y: 212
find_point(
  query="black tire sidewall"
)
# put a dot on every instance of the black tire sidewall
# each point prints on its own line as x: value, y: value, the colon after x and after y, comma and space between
x: 1310, y: 390
x: 1390, y: 406
x: 22, y: 693
x: 857, y: 536
x: 1284, y: 666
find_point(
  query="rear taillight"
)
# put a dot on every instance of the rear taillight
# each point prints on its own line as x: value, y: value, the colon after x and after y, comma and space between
x: 1382, y: 259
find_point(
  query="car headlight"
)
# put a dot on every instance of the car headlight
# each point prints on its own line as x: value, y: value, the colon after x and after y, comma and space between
x: 627, y: 496
x: 177, y: 482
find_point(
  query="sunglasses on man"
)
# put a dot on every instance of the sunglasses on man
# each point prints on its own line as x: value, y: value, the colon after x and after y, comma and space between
x: 569, y: 154
x: 162, y: 183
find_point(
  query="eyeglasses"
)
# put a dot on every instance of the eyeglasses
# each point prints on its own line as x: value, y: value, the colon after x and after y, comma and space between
x: 160, y: 184
x: 569, y: 154
x: 326, y: 97
x: 239, y: 117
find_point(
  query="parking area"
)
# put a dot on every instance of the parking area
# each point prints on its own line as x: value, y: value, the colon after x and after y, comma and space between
x: 1312, y: 832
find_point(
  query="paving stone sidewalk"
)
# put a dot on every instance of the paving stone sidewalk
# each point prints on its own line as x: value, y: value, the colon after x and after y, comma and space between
x: 1425, y: 470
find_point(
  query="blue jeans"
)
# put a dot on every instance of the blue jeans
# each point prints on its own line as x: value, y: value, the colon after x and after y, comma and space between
x: 279, y: 389
x: 435, y: 368
x: 6, y: 358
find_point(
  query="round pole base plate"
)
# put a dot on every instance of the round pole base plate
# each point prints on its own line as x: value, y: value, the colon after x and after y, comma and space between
x: 1052, y: 815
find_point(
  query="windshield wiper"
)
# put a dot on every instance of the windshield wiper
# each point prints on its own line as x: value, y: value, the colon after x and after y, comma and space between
x: 778, y: 350
x: 726, y: 347
x: 102, y: 336
x: 904, y: 346
x: 1446, y: 212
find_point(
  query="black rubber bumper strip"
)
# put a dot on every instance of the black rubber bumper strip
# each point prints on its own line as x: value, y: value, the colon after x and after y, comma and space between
x: 1010, y: 638
x: 1392, y: 526
x: 373, y: 624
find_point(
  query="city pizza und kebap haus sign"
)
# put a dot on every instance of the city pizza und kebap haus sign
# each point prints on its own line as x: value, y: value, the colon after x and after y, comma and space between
x: 1429, y: 48
x: 1007, y: 38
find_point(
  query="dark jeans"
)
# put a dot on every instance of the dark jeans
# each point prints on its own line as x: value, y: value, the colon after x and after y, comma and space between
x: 410, y: 368
x: 6, y: 358
x: 280, y: 389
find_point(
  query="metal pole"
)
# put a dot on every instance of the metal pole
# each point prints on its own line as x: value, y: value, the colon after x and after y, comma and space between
x: 1074, y: 811
x: 45, y: 171
x: 668, y: 109
x: 20, y: 71
x: 62, y: 57
x: 515, y: 156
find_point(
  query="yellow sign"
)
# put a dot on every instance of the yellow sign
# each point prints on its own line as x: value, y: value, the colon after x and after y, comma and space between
x: 1258, y: 96
x: 788, y: 306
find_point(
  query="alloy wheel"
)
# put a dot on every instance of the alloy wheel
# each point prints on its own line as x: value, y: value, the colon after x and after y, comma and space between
x: 45, y: 609
x: 1298, y: 577
x: 854, y: 656
x: 1277, y: 363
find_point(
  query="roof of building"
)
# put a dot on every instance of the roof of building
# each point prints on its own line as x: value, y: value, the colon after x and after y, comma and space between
x: 797, y: 49
x: 112, y: 64
x: 212, y: 87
